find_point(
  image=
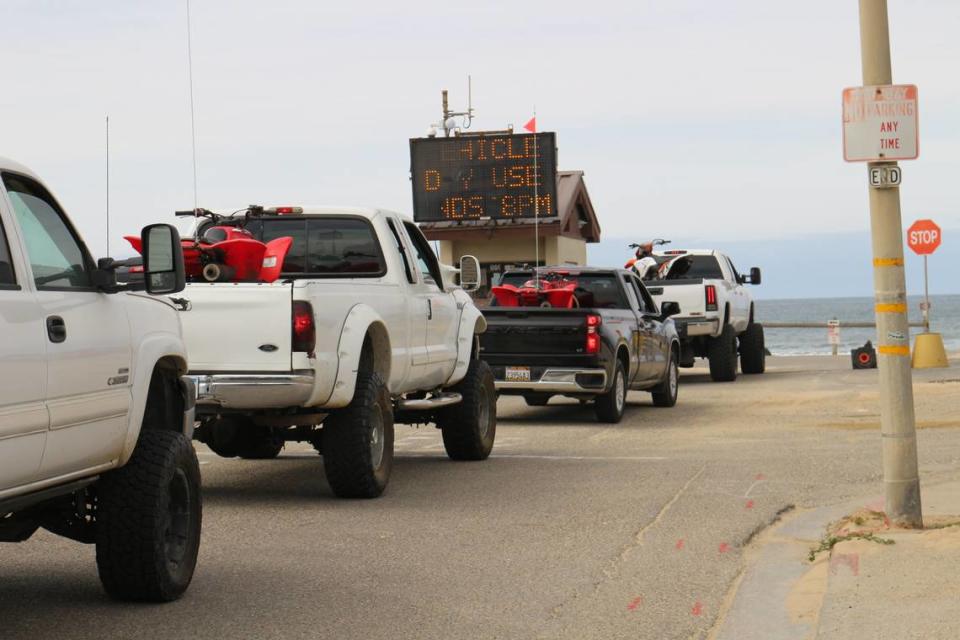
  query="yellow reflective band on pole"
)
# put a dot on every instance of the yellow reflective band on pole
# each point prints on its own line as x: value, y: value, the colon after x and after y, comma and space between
x: 891, y: 308
x: 891, y: 350
x: 888, y: 262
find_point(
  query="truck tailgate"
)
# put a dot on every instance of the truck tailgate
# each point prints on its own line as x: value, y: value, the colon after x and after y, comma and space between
x: 238, y: 326
x: 687, y: 293
x: 530, y: 332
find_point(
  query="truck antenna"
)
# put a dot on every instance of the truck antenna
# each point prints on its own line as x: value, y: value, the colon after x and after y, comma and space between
x: 193, y: 122
x: 107, y: 254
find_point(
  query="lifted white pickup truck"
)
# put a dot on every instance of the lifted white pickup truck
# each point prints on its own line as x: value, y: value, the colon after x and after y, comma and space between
x: 95, y: 418
x: 716, y: 311
x: 362, y: 329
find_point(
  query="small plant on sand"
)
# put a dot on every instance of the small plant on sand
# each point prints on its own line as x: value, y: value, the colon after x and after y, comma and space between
x: 828, y: 542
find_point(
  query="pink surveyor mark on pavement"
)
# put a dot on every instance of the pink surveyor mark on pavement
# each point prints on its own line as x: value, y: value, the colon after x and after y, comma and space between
x: 749, y: 504
x: 760, y: 476
x: 851, y: 560
x: 723, y: 548
x: 679, y: 544
x: 634, y: 603
x: 697, y: 609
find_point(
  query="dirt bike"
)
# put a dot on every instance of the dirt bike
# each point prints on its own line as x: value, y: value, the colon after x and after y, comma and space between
x: 643, y: 263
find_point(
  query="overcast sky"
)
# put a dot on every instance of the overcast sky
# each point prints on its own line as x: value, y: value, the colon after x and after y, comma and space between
x: 711, y: 120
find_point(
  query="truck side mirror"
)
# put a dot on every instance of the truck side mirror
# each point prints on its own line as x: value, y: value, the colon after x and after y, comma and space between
x: 755, y: 275
x: 469, y: 273
x: 163, y: 270
x: 669, y: 308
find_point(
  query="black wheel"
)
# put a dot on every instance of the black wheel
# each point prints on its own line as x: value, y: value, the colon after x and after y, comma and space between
x: 358, y: 441
x: 665, y: 394
x: 753, y: 351
x: 148, y: 520
x: 538, y: 400
x: 470, y: 427
x: 610, y: 405
x: 722, y: 354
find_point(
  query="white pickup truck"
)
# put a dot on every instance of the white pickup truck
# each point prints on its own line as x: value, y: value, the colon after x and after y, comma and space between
x: 363, y: 328
x: 717, y: 314
x: 95, y: 416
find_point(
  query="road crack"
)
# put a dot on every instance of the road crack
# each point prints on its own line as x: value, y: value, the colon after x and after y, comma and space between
x: 613, y: 568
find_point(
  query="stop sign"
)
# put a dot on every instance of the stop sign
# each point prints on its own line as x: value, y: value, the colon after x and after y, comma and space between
x: 923, y: 237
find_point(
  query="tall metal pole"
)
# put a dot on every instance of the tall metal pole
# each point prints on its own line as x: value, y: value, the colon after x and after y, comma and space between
x: 107, y: 254
x: 536, y: 207
x: 897, y: 421
x: 926, y: 297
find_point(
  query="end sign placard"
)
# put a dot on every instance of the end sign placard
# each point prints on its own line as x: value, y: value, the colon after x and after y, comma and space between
x: 880, y: 123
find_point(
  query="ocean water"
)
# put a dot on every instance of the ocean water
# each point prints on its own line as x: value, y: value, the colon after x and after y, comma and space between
x: 944, y: 319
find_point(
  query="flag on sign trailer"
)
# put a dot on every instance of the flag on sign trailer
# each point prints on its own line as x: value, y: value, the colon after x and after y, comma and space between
x: 531, y: 125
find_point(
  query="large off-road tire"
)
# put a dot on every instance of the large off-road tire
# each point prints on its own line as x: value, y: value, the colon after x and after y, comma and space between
x: 722, y: 354
x: 358, y: 441
x: 753, y: 351
x: 665, y: 394
x: 536, y: 400
x: 610, y: 405
x: 470, y: 427
x: 148, y: 520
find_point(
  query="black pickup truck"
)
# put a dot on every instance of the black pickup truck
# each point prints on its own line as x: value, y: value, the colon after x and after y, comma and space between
x: 610, y: 337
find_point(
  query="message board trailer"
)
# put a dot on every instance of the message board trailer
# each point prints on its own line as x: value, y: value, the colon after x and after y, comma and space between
x: 484, y: 176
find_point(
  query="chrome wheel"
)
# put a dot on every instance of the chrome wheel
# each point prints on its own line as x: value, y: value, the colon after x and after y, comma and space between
x: 376, y: 438
x: 484, y: 417
x: 621, y: 391
x: 674, y: 378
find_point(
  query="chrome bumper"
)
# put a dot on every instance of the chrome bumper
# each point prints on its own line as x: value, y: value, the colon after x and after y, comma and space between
x: 696, y: 326
x: 254, y: 390
x: 560, y: 381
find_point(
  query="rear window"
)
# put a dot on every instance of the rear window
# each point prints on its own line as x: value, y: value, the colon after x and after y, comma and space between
x: 705, y: 267
x: 325, y: 246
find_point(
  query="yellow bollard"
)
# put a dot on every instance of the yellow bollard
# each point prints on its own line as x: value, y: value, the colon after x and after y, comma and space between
x: 928, y: 352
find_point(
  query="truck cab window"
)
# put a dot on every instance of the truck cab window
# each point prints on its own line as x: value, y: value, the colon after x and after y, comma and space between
x: 57, y: 258
x: 426, y: 261
x: 647, y: 305
x: 7, y: 277
x: 324, y: 246
x: 407, y: 267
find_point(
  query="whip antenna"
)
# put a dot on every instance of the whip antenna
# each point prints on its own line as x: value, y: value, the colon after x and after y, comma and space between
x: 193, y: 123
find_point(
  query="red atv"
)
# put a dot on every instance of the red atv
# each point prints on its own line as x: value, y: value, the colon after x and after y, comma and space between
x: 226, y: 252
x: 553, y: 289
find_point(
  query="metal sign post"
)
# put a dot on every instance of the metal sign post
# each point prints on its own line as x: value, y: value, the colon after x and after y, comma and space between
x: 923, y: 238
x: 885, y: 109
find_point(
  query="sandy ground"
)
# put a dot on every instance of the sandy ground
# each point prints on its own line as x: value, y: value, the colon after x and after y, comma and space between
x: 572, y: 529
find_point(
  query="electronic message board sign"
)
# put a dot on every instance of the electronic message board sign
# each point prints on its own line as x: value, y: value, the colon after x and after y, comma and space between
x: 496, y: 176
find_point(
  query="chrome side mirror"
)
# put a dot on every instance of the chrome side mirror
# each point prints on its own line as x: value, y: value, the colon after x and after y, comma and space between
x: 470, y: 273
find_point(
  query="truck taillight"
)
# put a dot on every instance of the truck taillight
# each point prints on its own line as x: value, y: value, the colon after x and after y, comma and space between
x: 285, y: 211
x: 710, y: 291
x: 593, y: 336
x: 304, y: 330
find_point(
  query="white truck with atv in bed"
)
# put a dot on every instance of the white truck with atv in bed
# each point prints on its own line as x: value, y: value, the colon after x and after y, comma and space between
x: 717, y: 318
x: 362, y: 328
x: 95, y: 416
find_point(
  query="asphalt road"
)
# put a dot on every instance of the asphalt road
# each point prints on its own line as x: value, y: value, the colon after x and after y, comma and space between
x: 572, y: 529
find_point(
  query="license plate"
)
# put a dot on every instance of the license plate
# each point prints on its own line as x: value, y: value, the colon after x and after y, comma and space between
x: 518, y: 374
